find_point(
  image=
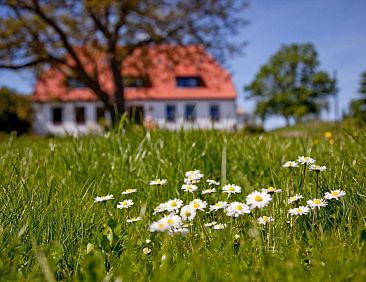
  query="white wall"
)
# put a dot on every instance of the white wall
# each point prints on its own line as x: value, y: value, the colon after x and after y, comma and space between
x: 42, y: 122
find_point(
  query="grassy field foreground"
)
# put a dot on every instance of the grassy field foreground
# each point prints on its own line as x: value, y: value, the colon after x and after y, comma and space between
x: 51, y: 228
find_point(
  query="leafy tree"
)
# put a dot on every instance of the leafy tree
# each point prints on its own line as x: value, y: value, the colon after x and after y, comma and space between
x: 15, y: 111
x: 42, y: 33
x: 358, y: 106
x: 290, y: 84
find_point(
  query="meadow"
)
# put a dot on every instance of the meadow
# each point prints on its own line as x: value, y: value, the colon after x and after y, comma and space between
x: 56, y: 225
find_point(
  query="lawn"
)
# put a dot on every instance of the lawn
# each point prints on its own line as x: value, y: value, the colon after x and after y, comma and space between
x: 53, y: 228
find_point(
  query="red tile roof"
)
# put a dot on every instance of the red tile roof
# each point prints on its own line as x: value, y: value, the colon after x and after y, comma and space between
x: 161, y: 64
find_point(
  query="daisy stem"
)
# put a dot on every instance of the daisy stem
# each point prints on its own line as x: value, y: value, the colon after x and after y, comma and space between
x: 303, y: 179
x: 292, y: 181
x: 107, y: 211
x: 317, y: 183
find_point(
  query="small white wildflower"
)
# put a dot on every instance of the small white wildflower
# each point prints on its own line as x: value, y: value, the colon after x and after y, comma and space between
x: 188, y: 213
x: 295, y: 198
x: 134, y: 219
x: 160, y: 208
x: 210, y: 224
x: 189, y: 188
x: 263, y: 220
x: 317, y: 168
x: 173, y: 205
x: 271, y: 190
x: 305, y: 160
x: 209, y: 191
x: 334, y: 194
x: 172, y: 220
x: 231, y: 189
x: 314, y: 203
x: 160, y: 226
x: 125, y: 204
x: 212, y: 182
x: 236, y: 209
x: 290, y: 164
x: 198, y: 204
x: 219, y: 205
x: 258, y: 199
x: 158, y: 182
x: 129, y: 191
x: 146, y: 251
x: 219, y: 226
x: 103, y: 198
x: 299, y: 211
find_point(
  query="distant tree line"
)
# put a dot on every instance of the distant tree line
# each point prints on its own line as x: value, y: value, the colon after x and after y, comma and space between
x: 15, y: 111
x: 290, y: 85
x: 358, y: 106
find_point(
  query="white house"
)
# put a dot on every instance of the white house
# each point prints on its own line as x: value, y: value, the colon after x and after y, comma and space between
x: 194, y: 92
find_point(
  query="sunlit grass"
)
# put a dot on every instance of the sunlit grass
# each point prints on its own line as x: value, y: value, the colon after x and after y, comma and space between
x: 50, y: 226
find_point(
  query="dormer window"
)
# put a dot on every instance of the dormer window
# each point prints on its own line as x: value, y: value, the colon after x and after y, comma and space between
x: 72, y: 82
x: 189, y: 81
x: 136, y: 81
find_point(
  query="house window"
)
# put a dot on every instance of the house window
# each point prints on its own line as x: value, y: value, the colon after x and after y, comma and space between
x: 190, y: 112
x: 80, y: 115
x: 100, y: 117
x: 136, y: 81
x: 170, y: 113
x: 72, y: 82
x: 57, y: 115
x: 215, y: 112
x: 189, y: 81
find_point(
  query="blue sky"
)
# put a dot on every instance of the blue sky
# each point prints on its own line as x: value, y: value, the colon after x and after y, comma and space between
x: 337, y: 28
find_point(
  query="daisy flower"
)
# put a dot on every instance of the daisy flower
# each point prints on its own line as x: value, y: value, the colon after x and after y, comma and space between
x: 194, y: 174
x: 299, y: 211
x: 258, y: 199
x: 125, y: 204
x: 219, y: 205
x: 236, y: 208
x: 103, y: 198
x: 231, y: 189
x: 295, y: 198
x: 198, y: 204
x: 134, y: 219
x: 188, y: 213
x: 173, y: 205
x: 219, y: 226
x: 317, y: 168
x: 305, y: 160
x: 263, y: 220
x: 209, y: 224
x: 158, y: 181
x: 146, y: 251
x: 189, y: 188
x: 160, y: 226
x: 212, y: 182
x: 317, y: 203
x: 335, y: 194
x: 129, y: 191
x: 209, y: 191
x: 191, y: 180
x: 172, y: 220
x: 180, y: 230
x: 271, y: 190
x: 290, y: 164
x: 160, y: 208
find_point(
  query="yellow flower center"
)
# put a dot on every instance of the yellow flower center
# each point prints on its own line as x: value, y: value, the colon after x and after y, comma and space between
x: 187, y: 213
x: 258, y: 198
x: 306, y: 158
x: 299, y: 210
x: 265, y: 218
x: 170, y: 221
x: 161, y: 225
x: 271, y: 189
x: 129, y: 190
x: 218, y: 204
x: 173, y: 204
x: 196, y: 205
x: 317, y: 201
x: 335, y: 193
x: 231, y: 189
x: 239, y: 208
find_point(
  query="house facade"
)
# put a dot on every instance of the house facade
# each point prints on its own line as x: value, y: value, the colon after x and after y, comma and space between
x: 183, y: 89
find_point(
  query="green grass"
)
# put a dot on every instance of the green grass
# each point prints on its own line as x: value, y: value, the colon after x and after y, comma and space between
x: 49, y: 221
